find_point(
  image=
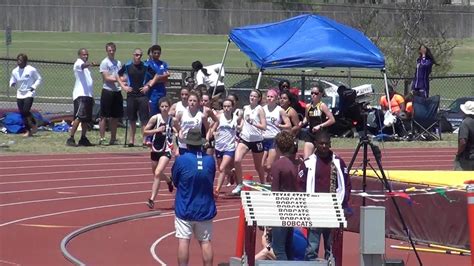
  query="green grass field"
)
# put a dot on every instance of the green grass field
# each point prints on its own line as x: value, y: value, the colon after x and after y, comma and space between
x: 178, y: 50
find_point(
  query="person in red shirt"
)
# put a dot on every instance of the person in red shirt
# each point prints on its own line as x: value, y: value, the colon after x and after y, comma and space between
x: 325, y: 172
x: 285, y: 172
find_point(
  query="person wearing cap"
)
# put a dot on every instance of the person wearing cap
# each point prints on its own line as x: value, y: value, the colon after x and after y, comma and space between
x: 193, y: 176
x: 464, y: 160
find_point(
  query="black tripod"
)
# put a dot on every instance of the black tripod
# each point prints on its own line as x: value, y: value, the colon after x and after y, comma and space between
x: 365, y: 143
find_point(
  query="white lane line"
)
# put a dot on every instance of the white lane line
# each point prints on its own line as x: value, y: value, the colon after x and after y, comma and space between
x: 9, y: 263
x: 73, y: 179
x: 75, y: 187
x: 76, y: 197
x: 72, y: 165
x: 67, y: 172
x: 249, y: 166
x: 76, y: 210
x: 113, y: 158
x: 153, y: 246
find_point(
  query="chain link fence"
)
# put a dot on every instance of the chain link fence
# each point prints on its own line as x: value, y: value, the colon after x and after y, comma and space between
x: 55, y: 93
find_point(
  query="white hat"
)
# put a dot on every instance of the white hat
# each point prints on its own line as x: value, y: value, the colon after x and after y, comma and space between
x: 468, y: 107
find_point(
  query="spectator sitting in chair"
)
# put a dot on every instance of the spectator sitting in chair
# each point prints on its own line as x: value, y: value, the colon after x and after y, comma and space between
x: 409, y: 105
x: 397, y: 102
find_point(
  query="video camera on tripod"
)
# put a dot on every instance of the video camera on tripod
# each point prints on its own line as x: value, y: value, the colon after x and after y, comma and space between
x: 358, y: 95
x: 353, y: 103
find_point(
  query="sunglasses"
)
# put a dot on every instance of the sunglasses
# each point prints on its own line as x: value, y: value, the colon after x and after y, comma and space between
x: 139, y: 55
x: 314, y: 93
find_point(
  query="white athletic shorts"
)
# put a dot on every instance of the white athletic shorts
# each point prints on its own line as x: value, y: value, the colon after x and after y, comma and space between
x: 202, y: 230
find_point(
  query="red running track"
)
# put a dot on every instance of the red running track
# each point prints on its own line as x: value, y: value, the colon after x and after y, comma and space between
x: 43, y: 198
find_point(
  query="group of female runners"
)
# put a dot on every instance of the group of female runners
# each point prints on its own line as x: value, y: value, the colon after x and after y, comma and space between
x: 232, y: 132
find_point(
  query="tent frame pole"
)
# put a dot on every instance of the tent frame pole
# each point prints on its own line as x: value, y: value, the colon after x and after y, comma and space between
x: 387, y: 95
x: 259, y: 78
x: 386, y: 89
x: 220, y: 70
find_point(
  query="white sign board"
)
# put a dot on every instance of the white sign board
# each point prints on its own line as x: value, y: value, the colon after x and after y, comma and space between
x: 293, y: 209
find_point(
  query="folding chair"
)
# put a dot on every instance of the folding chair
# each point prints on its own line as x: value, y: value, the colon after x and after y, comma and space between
x: 426, y: 124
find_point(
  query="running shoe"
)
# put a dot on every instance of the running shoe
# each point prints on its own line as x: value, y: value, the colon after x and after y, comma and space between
x: 150, y: 204
x: 170, y: 186
x: 237, y: 189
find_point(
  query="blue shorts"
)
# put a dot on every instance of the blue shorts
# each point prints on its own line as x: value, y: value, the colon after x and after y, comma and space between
x: 220, y: 154
x: 268, y: 144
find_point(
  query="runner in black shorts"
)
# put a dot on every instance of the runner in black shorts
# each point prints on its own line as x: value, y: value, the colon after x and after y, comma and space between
x: 160, y: 127
x: 318, y: 116
x: 251, y: 137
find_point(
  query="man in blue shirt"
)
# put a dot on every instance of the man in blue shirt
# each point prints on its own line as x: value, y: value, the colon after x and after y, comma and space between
x: 193, y: 176
x: 158, y: 90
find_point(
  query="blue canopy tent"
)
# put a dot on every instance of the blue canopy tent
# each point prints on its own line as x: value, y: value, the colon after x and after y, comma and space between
x: 306, y: 41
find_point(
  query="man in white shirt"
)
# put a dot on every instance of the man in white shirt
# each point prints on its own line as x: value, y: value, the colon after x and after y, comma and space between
x: 82, y: 96
x: 25, y: 79
x: 111, y: 100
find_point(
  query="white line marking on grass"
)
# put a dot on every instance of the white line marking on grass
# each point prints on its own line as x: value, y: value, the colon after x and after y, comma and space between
x: 75, y: 187
x: 121, y: 42
x: 153, y: 246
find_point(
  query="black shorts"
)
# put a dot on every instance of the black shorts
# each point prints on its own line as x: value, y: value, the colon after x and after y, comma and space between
x: 309, y: 136
x: 155, y: 156
x: 83, y: 108
x: 140, y: 105
x: 111, y: 104
x: 254, y: 146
